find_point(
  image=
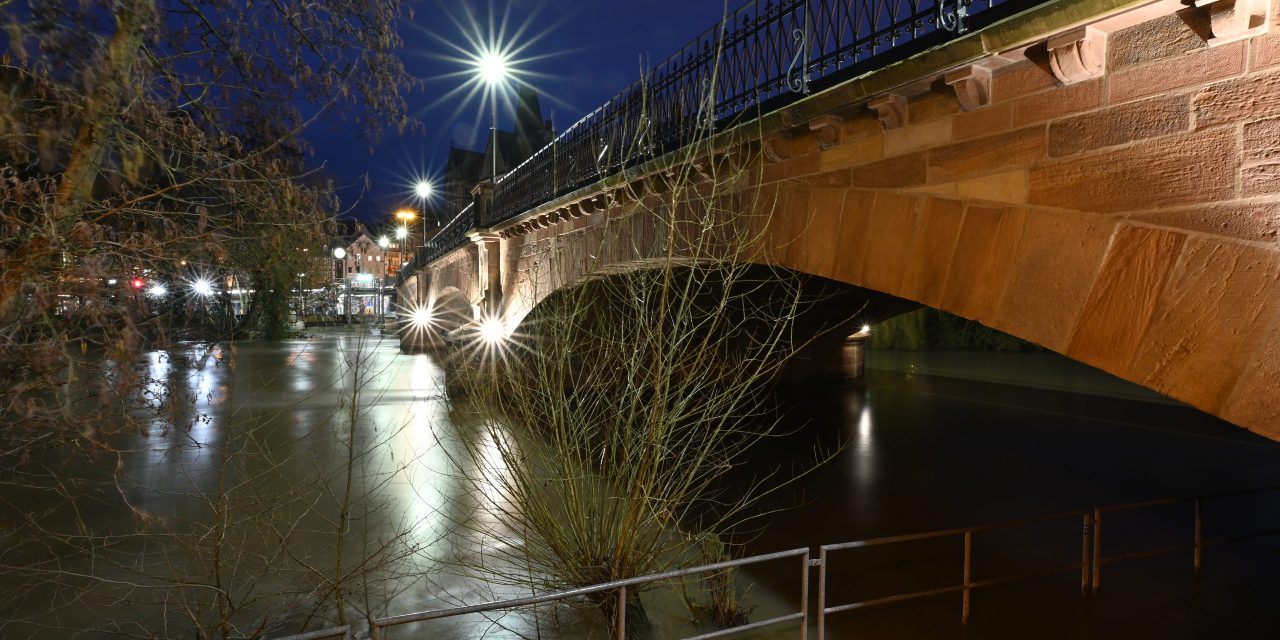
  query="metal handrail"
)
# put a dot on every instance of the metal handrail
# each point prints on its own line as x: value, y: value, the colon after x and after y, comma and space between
x: 621, y: 587
x: 1091, y: 561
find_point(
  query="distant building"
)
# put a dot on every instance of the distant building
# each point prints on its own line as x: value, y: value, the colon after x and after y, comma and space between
x: 466, y: 168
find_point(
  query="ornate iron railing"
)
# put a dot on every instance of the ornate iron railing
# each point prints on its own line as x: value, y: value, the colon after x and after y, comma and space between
x: 761, y: 57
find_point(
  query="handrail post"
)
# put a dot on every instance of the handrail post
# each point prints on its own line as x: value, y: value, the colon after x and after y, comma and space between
x: 1097, y: 549
x: 822, y: 593
x: 1084, y: 556
x: 968, y: 571
x: 374, y: 631
x: 622, y: 613
x: 1199, y: 539
x: 804, y: 596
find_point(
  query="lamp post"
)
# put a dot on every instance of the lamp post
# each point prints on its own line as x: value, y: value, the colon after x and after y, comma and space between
x: 492, y: 67
x: 339, y: 253
x: 423, y: 189
x: 383, y: 243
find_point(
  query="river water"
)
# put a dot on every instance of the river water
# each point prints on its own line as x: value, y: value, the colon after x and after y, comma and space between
x: 930, y: 441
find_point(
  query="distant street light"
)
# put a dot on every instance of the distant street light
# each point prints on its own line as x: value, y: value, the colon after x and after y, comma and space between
x: 202, y: 288
x: 339, y: 253
x: 424, y: 189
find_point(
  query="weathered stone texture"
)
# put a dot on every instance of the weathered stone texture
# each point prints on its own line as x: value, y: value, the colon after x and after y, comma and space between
x: 982, y: 122
x: 1057, y: 258
x: 931, y: 106
x: 1197, y: 167
x: 984, y: 155
x: 1164, y: 37
x: 1123, y: 298
x: 926, y: 268
x: 1248, y: 98
x: 1216, y: 307
x: 1117, y: 125
x: 902, y: 171
x: 891, y: 232
x: 1073, y: 98
x: 1174, y: 73
x: 1250, y: 222
x: 1018, y: 80
x: 1010, y: 187
x: 917, y: 137
x: 983, y: 261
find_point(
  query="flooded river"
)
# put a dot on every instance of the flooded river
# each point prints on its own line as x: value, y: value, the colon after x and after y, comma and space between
x: 930, y: 441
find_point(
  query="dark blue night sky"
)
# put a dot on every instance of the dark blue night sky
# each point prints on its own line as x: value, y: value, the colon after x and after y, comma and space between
x: 583, y: 52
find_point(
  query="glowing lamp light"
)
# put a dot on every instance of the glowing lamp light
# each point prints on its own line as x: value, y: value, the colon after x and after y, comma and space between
x: 384, y: 242
x: 157, y: 291
x: 421, y: 318
x: 422, y: 189
x: 138, y: 283
x: 866, y: 328
x: 492, y: 331
x: 339, y: 253
x: 401, y: 233
x: 492, y: 67
x: 202, y: 287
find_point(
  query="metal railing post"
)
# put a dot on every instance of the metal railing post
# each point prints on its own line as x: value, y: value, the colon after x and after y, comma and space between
x: 968, y: 573
x: 804, y: 596
x: 1084, y: 556
x: 622, y: 613
x: 1199, y: 539
x: 1097, y: 550
x: 822, y: 593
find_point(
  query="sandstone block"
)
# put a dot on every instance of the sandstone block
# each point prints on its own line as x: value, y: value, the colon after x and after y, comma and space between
x: 1058, y: 257
x: 935, y: 241
x: 1260, y: 179
x: 891, y: 231
x: 913, y: 138
x: 1120, y: 124
x: 982, y: 261
x: 1192, y: 69
x: 899, y: 172
x: 1250, y: 222
x: 1123, y: 297
x: 1164, y: 37
x: 1216, y: 307
x: 1015, y: 81
x: 1010, y: 187
x: 1262, y: 140
x: 852, y: 237
x: 1080, y: 96
x: 1191, y: 168
x: 1248, y: 98
x: 983, y: 122
x: 986, y: 154
x: 852, y: 153
x: 931, y: 106
x: 1266, y: 52
x: 1254, y: 402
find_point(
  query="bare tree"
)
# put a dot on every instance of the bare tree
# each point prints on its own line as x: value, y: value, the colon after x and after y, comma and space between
x: 606, y: 430
x: 150, y: 145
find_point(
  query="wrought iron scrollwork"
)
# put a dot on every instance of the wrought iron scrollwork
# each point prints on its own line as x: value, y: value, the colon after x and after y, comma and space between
x: 953, y: 16
x: 798, y: 72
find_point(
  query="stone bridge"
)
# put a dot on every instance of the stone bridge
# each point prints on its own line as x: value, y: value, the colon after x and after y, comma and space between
x: 1098, y: 177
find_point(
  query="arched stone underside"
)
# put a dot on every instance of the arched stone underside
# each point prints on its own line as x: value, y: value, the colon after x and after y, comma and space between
x: 1110, y: 192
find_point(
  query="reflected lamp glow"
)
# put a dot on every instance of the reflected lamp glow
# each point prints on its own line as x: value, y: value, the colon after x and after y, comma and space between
x: 421, y: 318
x: 492, y: 331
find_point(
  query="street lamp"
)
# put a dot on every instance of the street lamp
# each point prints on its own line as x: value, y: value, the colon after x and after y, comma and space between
x: 493, y: 71
x: 423, y: 189
x: 339, y: 253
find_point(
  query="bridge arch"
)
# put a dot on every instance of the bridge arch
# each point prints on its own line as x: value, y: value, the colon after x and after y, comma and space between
x: 1125, y: 215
